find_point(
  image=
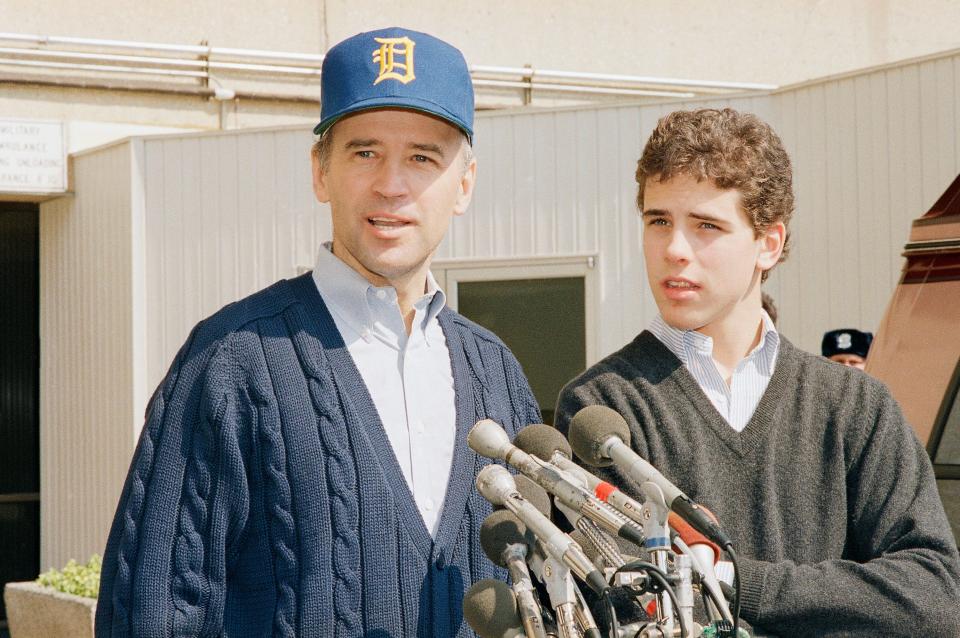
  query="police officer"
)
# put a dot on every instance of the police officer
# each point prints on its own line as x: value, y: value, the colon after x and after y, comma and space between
x: 847, y: 346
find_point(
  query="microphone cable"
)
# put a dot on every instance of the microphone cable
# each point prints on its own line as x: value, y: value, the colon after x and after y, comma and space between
x: 736, y: 590
x: 662, y: 583
x: 612, y: 623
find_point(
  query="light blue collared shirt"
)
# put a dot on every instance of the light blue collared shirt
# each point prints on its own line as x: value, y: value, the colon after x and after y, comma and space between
x: 408, y: 377
x: 738, y: 401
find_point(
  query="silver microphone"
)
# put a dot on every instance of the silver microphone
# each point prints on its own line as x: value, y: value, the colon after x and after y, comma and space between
x: 496, y: 485
x: 507, y: 542
x: 489, y: 439
x: 600, y: 436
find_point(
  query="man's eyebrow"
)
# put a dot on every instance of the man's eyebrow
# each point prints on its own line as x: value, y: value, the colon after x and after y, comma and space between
x: 430, y: 148
x: 361, y: 143
x: 656, y: 212
x: 707, y: 218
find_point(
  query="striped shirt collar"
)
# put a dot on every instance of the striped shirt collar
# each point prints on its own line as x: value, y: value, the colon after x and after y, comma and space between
x: 684, y: 344
x: 353, y: 298
x: 737, y: 401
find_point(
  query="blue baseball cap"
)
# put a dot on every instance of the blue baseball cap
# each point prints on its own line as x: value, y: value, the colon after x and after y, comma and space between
x: 396, y: 68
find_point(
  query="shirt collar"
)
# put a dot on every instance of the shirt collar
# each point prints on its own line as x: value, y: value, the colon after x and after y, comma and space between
x: 684, y: 342
x: 355, y: 299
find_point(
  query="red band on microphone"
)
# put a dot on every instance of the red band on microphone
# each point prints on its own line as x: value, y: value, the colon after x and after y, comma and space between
x: 691, y: 536
x: 603, y: 490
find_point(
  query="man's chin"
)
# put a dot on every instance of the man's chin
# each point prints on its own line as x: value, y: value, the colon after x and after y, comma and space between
x: 682, y: 320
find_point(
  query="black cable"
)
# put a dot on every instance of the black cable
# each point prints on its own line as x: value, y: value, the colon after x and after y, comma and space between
x: 706, y: 592
x: 664, y: 581
x: 684, y: 630
x: 613, y: 623
x: 736, y: 590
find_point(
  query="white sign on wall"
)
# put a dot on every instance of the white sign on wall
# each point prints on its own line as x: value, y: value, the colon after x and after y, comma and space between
x: 33, y: 157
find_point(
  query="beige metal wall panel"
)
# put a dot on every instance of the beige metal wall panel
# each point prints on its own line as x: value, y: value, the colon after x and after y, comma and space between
x: 229, y: 213
x: 561, y: 182
x: 871, y: 152
x: 86, y: 366
x: 226, y: 215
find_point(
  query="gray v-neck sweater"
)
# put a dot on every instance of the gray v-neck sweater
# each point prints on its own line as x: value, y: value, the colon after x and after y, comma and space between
x: 827, y: 494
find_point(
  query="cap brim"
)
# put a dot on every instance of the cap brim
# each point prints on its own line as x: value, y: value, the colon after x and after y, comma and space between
x: 408, y: 103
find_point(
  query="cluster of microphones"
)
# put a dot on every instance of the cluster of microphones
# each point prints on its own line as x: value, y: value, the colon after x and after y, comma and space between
x: 657, y: 553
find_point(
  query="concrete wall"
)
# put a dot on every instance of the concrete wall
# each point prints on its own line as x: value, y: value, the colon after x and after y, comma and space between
x: 779, y: 42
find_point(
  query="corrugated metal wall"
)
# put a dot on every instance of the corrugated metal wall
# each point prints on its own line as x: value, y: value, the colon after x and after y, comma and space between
x: 86, y: 367
x: 872, y: 152
x: 226, y: 214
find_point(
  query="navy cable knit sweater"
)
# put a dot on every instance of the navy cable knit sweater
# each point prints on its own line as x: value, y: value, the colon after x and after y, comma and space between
x: 264, y: 497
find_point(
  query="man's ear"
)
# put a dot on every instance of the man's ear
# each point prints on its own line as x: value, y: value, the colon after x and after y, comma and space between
x: 465, y: 192
x: 319, y: 180
x: 772, y: 241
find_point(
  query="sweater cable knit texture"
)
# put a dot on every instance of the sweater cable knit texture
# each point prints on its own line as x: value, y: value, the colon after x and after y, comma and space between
x: 264, y: 497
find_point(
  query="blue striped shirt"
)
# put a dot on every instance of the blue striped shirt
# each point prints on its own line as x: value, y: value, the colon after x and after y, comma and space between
x: 736, y: 402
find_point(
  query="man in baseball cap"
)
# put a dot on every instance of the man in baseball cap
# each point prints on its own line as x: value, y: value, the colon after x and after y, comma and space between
x: 304, y: 468
x: 847, y: 346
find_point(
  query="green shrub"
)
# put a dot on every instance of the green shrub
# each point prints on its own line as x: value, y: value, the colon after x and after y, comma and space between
x: 76, y: 579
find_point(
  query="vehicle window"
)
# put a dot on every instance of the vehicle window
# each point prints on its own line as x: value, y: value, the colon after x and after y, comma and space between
x: 946, y: 429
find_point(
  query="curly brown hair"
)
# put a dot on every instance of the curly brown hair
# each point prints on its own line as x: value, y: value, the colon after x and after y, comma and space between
x: 733, y: 150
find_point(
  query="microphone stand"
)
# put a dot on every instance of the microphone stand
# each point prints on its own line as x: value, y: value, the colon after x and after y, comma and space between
x: 526, y: 599
x: 654, y: 513
x: 562, y: 590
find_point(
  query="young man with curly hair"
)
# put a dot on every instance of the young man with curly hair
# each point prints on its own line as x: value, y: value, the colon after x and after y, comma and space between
x: 810, y: 467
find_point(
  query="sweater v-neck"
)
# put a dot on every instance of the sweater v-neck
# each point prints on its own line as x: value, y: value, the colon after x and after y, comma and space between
x: 350, y: 384
x: 764, y: 416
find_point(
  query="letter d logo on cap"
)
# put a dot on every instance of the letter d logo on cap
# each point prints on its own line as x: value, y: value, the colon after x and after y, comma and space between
x: 394, y: 54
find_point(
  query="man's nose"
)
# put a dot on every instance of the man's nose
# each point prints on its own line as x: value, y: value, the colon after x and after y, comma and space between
x: 391, y: 181
x: 678, y: 247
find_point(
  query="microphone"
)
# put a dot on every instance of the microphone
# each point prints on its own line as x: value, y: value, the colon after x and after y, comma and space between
x: 488, y: 439
x: 506, y: 541
x: 490, y: 608
x: 496, y: 485
x: 601, y: 437
x: 502, y: 530
x: 537, y: 496
x: 705, y: 554
x: 546, y: 442
x: 706, y: 551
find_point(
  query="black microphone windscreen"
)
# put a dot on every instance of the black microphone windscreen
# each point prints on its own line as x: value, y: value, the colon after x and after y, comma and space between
x: 542, y: 441
x: 490, y: 608
x: 537, y: 496
x: 501, y: 529
x: 591, y: 427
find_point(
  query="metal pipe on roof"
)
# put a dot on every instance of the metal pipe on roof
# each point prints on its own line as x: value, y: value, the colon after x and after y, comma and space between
x: 102, y: 68
x: 191, y: 49
x: 589, y: 79
x: 162, y: 62
x: 573, y: 88
x: 532, y: 73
